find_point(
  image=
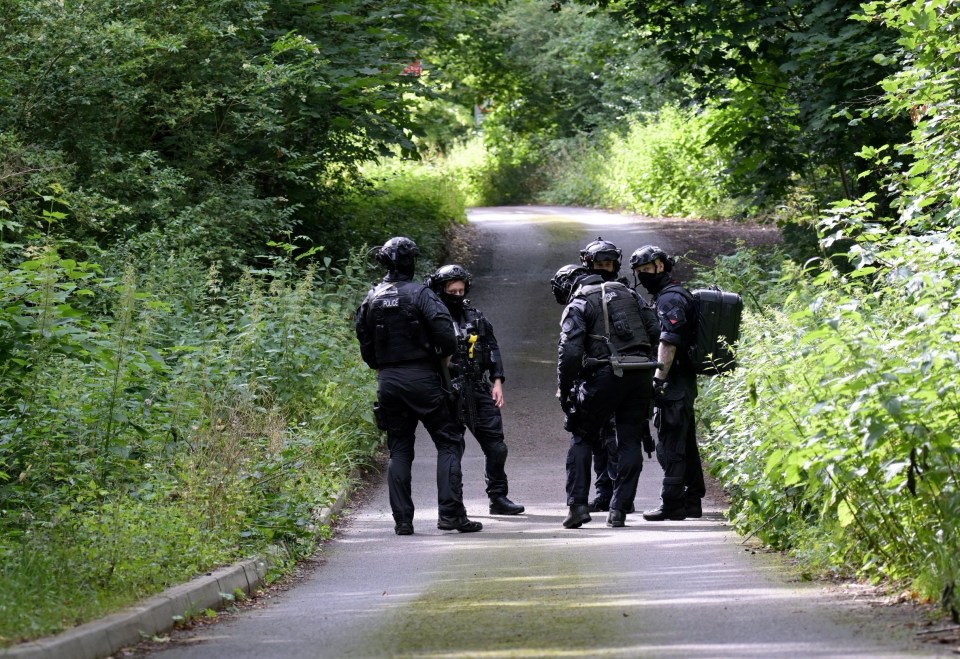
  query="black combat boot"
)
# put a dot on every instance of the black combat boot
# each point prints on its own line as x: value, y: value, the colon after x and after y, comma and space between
x: 578, y: 515
x: 461, y: 523
x: 600, y: 505
x: 665, y: 511
x: 616, y: 518
x: 503, y: 506
x: 404, y: 528
x: 693, y: 507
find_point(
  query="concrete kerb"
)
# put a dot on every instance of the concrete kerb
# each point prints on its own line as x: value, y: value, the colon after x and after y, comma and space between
x: 158, y: 614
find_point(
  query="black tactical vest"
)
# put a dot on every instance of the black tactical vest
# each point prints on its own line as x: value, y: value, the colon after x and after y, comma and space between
x: 627, y: 332
x: 471, y: 323
x: 398, y: 330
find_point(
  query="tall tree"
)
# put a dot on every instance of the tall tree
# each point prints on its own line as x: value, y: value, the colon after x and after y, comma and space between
x: 215, y: 124
x: 792, y: 76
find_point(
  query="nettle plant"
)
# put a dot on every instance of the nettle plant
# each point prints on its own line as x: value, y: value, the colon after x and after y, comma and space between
x: 837, y: 436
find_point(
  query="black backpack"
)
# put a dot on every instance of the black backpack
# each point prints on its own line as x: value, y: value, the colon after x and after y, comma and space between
x: 711, y: 349
x: 718, y: 330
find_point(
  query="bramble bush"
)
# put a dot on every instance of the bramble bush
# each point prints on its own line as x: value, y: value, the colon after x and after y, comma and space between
x: 836, y: 437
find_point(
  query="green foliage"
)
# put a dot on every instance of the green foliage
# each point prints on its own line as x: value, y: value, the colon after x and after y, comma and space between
x: 922, y: 172
x: 789, y: 77
x: 408, y: 199
x: 836, y: 437
x: 550, y: 74
x: 211, y: 126
x: 660, y: 165
x: 156, y: 421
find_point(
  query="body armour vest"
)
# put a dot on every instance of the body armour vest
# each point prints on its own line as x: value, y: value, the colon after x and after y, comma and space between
x: 471, y: 324
x: 627, y: 333
x: 398, y: 331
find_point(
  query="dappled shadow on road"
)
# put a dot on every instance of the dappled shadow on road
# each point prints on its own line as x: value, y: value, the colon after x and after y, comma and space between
x: 526, y: 587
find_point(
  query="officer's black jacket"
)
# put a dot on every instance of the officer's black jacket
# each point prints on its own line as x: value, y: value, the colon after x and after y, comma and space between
x: 578, y: 317
x: 486, y: 350
x: 677, y: 317
x: 420, y: 330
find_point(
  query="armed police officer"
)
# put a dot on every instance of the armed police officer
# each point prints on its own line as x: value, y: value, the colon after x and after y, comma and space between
x: 601, y: 256
x: 675, y: 388
x: 603, y: 371
x: 479, y: 368
x: 406, y: 333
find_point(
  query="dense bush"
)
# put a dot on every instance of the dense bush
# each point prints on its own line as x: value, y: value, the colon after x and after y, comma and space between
x: 662, y: 164
x: 156, y: 421
x: 837, y: 436
x: 213, y: 126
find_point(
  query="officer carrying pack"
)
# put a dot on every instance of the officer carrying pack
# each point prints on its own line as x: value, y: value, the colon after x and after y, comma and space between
x: 717, y: 329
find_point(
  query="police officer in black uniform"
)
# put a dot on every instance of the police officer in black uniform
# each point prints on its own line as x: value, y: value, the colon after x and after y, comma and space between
x: 599, y: 252
x: 675, y: 388
x: 479, y: 367
x: 404, y: 332
x: 602, y: 319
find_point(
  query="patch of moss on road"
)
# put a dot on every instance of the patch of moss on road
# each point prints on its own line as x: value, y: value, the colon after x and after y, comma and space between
x: 534, y: 606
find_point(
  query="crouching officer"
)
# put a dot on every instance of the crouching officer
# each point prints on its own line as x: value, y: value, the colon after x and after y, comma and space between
x: 603, y: 371
x: 479, y: 368
x: 405, y: 333
x: 675, y: 388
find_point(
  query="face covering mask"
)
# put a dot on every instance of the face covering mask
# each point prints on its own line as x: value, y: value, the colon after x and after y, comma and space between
x: 652, y: 281
x: 454, y: 302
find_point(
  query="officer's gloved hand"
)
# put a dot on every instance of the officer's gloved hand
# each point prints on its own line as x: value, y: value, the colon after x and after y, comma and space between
x: 648, y: 444
x: 659, y: 388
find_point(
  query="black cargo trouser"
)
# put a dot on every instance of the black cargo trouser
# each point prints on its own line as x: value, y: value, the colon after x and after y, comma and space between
x: 605, y: 461
x: 488, y: 429
x: 601, y: 396
x: 407, y: 395
x: 678, y: 453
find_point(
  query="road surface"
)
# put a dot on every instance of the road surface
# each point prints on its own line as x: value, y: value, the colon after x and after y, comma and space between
x: 524, y: 586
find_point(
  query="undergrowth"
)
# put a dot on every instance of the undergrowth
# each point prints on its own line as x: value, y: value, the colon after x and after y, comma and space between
x: 836, y: 437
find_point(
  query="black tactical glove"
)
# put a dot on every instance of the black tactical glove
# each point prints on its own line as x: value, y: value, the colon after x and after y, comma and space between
x: 659, y: 388
x: 649, y: 446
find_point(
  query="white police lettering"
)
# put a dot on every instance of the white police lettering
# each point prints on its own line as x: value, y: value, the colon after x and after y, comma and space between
x: 391, y: 302
x: 610, y: 296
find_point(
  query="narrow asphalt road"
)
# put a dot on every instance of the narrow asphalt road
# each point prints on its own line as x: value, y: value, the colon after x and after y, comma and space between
x: 524, y: 586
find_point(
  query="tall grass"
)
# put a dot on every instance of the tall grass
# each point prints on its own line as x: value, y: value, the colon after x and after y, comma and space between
x: 161, y: 422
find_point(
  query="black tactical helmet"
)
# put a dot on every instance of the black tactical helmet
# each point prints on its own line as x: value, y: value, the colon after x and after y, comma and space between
x: 562, y: 282
x: 453, y: 272
x: 649, y: 254
x: 399, y: 254
x: 600, y: 250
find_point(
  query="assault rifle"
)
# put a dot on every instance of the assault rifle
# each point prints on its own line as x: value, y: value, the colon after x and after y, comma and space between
x: 622, y: 363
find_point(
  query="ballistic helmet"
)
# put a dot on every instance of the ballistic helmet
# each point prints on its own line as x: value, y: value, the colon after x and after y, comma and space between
x: 649, y: 254
x: 600, y: 250
x: 562, y: 282
x: 398, y: 254
x: 447, y: 273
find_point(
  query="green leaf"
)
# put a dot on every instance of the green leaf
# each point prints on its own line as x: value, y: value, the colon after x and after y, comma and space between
x: 845, y: 514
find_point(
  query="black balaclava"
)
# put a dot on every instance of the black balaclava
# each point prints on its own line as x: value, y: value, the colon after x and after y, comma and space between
x: 453, y: 302
x: 654, y: 282
x: 605, y: 274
